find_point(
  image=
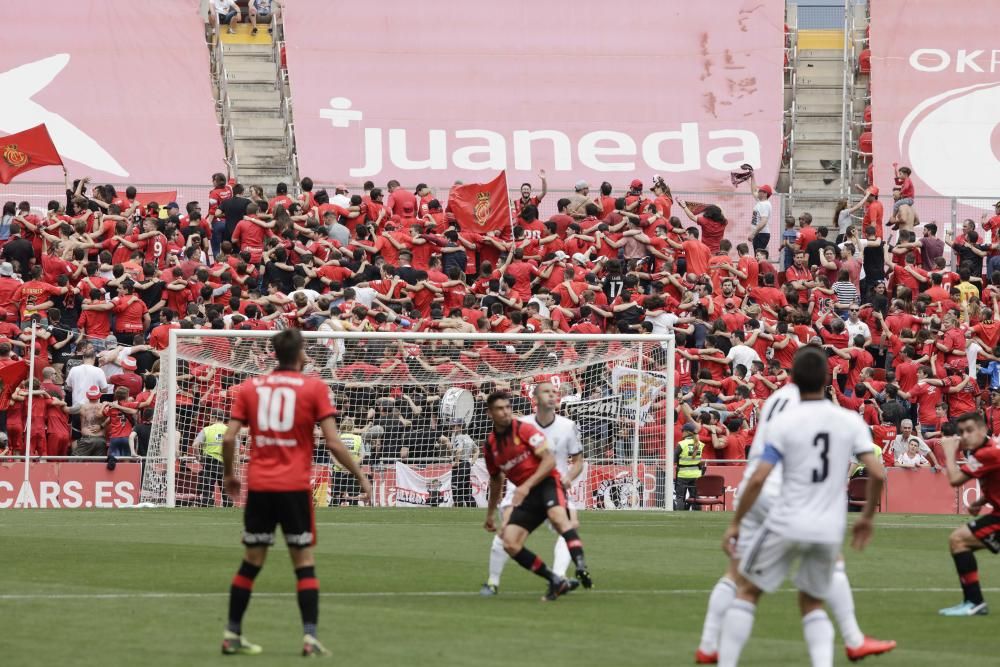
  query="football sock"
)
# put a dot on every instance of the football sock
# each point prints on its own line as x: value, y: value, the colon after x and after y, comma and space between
x: 239, y: 595
x: 818, y: 631
x: 530, y: 561
x: 498, y: 558
x: 560, y: 558
x: 308, y: 595
x: 723, y: 594
x: 841, y: 602
x: 968, y: 575
x: 574, y: 545
x: 737, y: 624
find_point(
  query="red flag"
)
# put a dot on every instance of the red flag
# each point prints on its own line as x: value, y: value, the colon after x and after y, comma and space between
x: 481, y: 207
x: 25, y: 151
x: 11, y: 376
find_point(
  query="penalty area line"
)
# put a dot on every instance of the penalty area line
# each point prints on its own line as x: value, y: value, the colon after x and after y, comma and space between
x: 421, y: 594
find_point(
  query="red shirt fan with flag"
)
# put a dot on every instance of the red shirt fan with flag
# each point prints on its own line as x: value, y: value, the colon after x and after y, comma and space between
x: 481, y: 207
x: 27, y: 150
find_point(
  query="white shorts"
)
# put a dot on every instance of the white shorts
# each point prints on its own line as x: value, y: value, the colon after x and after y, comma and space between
x: 768, y: 559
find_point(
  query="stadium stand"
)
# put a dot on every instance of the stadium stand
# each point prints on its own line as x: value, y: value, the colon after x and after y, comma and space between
x: 104, y: 273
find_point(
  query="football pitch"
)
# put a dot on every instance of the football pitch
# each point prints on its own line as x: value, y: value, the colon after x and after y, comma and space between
x: 400, y: 587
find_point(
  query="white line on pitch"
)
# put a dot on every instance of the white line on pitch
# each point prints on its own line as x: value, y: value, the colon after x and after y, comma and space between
x: 420, y: 594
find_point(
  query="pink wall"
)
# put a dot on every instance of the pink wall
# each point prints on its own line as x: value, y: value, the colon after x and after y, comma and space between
x: 936, y: 96
x: 447, y: 90
x: 123, y: 86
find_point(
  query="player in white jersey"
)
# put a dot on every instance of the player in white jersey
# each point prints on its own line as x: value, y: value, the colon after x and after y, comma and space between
x: 840, y: 599
x: 564, y: 442
x: 813, y: 442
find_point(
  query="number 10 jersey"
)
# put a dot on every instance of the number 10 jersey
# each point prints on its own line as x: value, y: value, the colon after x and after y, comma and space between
x: 280, y: 410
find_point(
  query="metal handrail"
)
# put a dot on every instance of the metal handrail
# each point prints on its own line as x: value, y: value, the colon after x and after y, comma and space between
x: 224, y: 105
x: 281, y: 80
x: 793, y: 62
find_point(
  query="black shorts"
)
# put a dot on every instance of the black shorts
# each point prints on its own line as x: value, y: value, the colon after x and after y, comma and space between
x: 531, y: 513
x: 987, y: 530
x: 266, y: 509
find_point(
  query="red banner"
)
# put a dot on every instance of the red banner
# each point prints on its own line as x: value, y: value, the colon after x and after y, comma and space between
x: 24, y: 151
x: 481, y: 207
x: 69, y: 485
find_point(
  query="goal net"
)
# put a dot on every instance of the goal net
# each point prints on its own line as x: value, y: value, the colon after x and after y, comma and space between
x: 413, y: 407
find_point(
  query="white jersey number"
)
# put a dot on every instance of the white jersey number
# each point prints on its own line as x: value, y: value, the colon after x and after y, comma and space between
x: 275, y: 409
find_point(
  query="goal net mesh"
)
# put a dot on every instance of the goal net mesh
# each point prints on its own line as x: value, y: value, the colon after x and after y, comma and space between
x: 415, y: 412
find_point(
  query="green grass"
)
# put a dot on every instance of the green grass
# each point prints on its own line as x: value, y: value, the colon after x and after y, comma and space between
x: 400, y: 588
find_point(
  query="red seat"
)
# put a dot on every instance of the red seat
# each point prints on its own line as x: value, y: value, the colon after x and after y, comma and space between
x: 865, y: 62
x: 710, y: 491
x: 857, y: 492
x: 865, y: 142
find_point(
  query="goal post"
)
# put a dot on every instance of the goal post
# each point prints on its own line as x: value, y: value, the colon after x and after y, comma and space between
x: 413, y: 406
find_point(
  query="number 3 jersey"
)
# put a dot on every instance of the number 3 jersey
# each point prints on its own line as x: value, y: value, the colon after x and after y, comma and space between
x: 280, y: 410
x: 814, y: 442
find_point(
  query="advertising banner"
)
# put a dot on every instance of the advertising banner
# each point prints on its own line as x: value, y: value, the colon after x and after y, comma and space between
x: 460, y: 91
x: 936, y: 96
x: 69, y: 485
x: 123, y: 87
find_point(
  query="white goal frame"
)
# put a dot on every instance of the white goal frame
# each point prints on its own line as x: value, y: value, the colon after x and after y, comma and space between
x: 175, y: 336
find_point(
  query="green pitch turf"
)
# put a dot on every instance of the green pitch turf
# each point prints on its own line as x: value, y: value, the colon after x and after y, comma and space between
x: 400, y: 587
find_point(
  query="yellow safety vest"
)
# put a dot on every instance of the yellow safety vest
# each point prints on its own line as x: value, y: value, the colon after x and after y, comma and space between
x: 212, y: 447
x: 353, y: 443
x: 876, y: 450
x: 689, y: 461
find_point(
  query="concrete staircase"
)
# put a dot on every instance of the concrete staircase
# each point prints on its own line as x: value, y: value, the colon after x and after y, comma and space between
x: 257, y: 125
x: 818, y: 131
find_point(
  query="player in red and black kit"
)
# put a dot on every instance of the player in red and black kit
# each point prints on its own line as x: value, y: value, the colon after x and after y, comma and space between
x: 983, y: 532
x: 519, y: 451
x: 280, y: 410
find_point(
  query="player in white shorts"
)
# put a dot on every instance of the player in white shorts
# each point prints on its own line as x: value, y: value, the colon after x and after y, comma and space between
x: 564, y: 441
x: 840, y: 599
x: 814, y: 442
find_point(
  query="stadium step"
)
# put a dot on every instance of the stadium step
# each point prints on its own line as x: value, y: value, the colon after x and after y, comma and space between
x: 255, y: 51
x: 251, y: 150
x: 254, y: 113
x: 807, y: 155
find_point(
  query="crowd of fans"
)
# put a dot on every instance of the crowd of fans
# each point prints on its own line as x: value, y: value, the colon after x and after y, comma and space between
x: 910, y: 331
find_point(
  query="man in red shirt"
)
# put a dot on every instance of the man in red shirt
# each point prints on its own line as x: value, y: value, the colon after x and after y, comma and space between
x: 697, y: 254
x: 159, y: 337
x: 401, y: 202
x: 128, y: 379
x: 281, y: 410
x: 874, y: 212
x: 249, y: 234
x: 131, y: 314
x: 982, y: 463
x: 35, y: 295
x: 927, y: 394
x: 800, y: 277
x: 519, y: 451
